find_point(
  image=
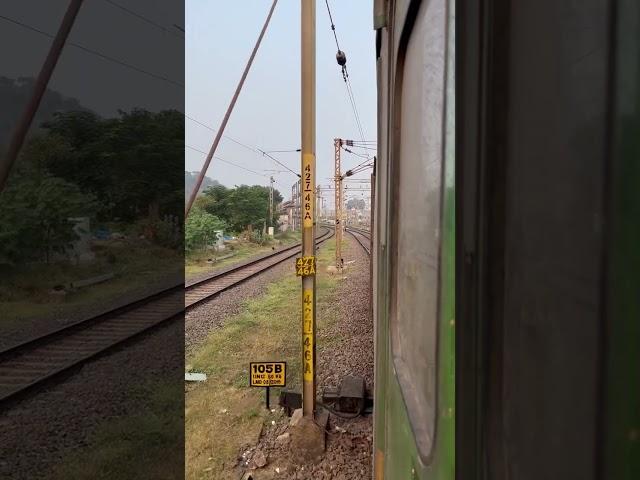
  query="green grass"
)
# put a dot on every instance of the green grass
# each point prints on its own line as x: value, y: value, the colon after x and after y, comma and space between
x: 143, y: 445
x: 268, y: 328
x: 196, y: 262
x: 25, y: 290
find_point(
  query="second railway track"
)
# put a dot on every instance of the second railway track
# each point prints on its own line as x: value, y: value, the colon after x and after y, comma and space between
x: 362, y: 237
x: 25, y: 366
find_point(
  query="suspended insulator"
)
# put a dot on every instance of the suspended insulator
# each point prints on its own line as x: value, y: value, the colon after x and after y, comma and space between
x: 341, y: 58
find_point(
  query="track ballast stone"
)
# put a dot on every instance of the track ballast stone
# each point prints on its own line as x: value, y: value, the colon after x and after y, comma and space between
x: 350, y: 352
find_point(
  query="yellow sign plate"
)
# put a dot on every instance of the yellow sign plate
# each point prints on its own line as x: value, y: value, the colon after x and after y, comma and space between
x: 305, y: 266
x: 308, y: 189
x: 267, y: 374
x: 307, y: 334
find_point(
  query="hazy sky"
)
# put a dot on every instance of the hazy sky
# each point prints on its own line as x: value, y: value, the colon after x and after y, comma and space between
x: 99, y: 84
x: 219, y: 39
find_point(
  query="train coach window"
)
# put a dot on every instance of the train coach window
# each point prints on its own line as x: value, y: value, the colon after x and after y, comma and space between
x: 417, y: 166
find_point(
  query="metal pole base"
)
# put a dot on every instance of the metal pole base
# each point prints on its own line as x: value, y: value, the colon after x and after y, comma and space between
x: 308, y: 438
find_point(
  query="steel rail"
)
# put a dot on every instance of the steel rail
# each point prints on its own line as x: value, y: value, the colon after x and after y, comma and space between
x: 358, y: 234
x: 36, y: 361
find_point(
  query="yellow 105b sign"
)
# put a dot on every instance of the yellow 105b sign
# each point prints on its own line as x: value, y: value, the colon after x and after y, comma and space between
x: 267, y: 374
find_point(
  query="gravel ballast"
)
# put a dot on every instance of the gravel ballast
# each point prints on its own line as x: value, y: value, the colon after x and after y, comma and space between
x: 206, y: 317
x: 349, y: 441
x: 41, y: 431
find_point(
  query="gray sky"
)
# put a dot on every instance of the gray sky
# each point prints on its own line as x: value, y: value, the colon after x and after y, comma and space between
x: 99, y: 84
x: 219, y: 40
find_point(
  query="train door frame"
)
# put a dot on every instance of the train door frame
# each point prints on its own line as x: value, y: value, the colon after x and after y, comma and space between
x: 482, y: 166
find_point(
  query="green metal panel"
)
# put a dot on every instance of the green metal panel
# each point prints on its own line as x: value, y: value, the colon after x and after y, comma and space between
x: 396, y: 451
x: 622, y: 416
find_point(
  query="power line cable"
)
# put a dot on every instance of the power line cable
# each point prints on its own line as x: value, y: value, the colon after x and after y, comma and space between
x: 94, y: 52
x: 363, y: 147
x: 361, y: 164
x: 248, y: 147
x: 226, y: 161
x: 342, y: 61
x: 144, y: 19
x: 278, y: 162
x: 356, y: 154
x: 333, y: 27
x: 283, y: 151
x: 355, y: 108
x: 225, y: 136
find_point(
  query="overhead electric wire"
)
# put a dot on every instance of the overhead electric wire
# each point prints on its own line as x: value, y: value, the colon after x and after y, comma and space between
x: 354, y: 171
x: 333, y: 27
x: 95, y: 52
x: 363, y: 147
x: 357, y: 169
x: 345, y: 74
x: 279, y: 162
x: 225, y: 136
x: 356, y: 154
x: 248, y: 147
x: 355, y: 109
x: 143, y: 18
x: 227, y: 161
x: 368, y: 160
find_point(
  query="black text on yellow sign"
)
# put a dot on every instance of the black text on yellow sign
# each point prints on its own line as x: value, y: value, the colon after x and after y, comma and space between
x: 305, y: 266
x: 308, y: 187
x: 268, y: 374
x: 307, y: 335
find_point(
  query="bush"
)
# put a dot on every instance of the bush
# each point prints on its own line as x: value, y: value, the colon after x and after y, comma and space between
x: 200, y: 230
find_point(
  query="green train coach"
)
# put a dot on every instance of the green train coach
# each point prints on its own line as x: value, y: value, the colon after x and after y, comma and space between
x: 506, y: 240
x: 414, y: 241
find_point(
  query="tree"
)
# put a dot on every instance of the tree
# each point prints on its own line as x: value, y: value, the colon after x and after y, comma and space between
x: 131, y: 162
x: 357, y: 203
x: 35, y: 213
x: 241, y: 206
x: 200, y: 229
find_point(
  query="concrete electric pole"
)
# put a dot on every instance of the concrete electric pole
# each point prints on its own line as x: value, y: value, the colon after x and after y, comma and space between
x: 309, y: 434
x: 308, y: 185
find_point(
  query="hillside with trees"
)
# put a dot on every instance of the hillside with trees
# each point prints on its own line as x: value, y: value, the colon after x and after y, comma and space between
x: 190, y: 182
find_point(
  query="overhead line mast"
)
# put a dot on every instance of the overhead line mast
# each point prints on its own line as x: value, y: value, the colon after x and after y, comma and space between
x: 308, y: 185
x: 337, y: 143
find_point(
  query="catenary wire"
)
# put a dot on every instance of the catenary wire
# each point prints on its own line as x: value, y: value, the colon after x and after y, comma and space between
x: 227, y: 161
x: 94, y: 52
x: 143, y: 18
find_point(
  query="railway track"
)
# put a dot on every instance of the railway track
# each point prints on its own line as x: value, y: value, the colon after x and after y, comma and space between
x: 29, y: 364
x: 362, y: 237
x: 206, y: 288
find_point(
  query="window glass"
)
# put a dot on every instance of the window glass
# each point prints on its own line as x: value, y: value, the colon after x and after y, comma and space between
x: 416, y: 232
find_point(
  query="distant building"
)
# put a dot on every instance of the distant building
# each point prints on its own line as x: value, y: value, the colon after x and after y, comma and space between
x: 286, y: 215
